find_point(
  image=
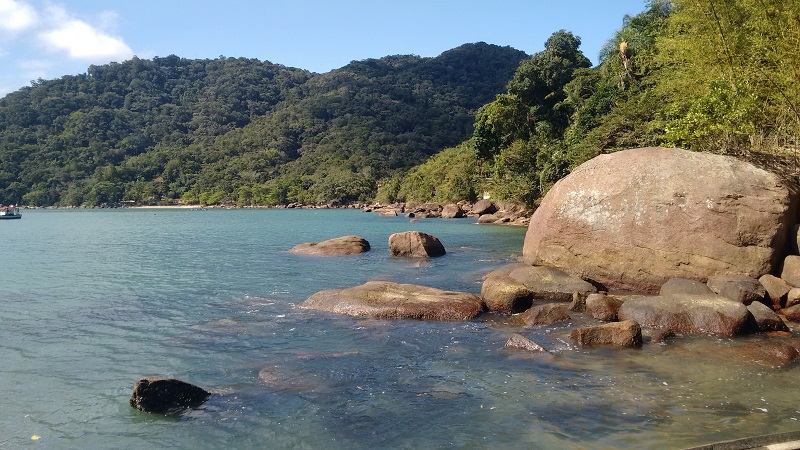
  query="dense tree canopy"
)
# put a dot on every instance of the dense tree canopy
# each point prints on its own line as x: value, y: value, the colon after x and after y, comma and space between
x: 238, y: 130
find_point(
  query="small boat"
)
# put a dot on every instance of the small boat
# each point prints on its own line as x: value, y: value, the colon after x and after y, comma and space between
x: 9, y: 212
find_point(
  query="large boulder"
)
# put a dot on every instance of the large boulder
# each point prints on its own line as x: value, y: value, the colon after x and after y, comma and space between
x: 345, y: 245
x: 765, y: 319
x: 482, y: 207
x: 684, y: 286
x: 166, y: 395
x: 452, y: 211
x: 387, y: 300
x: 415, y: 244
x: 636, y: 218
x: 690, y: 314
x: 514, y: 287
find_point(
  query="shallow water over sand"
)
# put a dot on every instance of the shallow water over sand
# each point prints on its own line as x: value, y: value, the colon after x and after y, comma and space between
x: 95, y: 299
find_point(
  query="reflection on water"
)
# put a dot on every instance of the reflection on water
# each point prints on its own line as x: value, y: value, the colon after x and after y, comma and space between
x: 97, y: 299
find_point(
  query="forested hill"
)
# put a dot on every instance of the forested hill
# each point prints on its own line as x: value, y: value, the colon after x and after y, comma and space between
x: 239, y: 131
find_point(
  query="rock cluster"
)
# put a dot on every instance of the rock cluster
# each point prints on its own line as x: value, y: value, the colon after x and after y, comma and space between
x: 485, y: 211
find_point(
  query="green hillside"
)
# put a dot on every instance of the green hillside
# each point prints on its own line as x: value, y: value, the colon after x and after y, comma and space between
x: 239, y: 131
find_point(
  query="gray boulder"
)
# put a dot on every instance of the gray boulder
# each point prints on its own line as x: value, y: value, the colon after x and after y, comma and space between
x: 624, y: 334
x: 690, y: 314
x: 765, y: 319
x: 387, y: 300
x: 636, y: 218
x: 166, y: 395
x: 345, y: 245
x: 415, y: 244
x: 742, y: 289
x: 513, y: 288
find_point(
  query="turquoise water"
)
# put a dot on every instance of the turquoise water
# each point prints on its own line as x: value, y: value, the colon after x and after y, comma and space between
x: 92, y: 300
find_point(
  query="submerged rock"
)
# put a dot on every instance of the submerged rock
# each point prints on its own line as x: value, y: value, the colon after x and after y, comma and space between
x: 513, y: 288
x: 691, y: 314
x: 415, y: 244
x: 166, y: 395
x: 345, y: 245
x: 387, y: 300
x: 543, y: 315
x: 627, y: 333
x: 636, y: 218
x: 520, y: 342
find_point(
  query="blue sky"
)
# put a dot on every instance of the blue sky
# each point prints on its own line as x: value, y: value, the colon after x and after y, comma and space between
x: 51, y: 38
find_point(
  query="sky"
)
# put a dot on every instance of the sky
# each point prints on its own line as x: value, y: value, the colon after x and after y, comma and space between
x: 50, y: 38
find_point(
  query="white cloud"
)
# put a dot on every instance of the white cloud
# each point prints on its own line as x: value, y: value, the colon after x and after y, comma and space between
x: 16, y: 16
x: 81, y: 40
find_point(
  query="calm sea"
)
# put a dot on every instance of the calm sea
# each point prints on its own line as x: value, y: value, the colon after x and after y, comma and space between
x: 92, y: 300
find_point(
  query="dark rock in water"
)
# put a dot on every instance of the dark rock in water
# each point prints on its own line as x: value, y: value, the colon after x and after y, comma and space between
x: 691, y: 314
x: 452, y: 211
x: 765, y: 319
x: 518, y: 341
x: 415, y: 244
x: 627, y: 333
x: 482, y: 207
x: 777, y: 289
x: 387, y: 300
x: 603, y: 307
x: 543, y: 315
x: 513, y: 288
x: 166, y: 395
x: 345, y: 245
x: 740, y: 288
x: 684, y: 286
x: 636, y: 218
x: 791, y: 270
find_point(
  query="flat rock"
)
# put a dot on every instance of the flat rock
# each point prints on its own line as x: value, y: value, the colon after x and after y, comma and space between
x: 520, y: 342
x: 684, y: 286
x: 634, y: 219
x: 166, y: 395
x: 690, y: 314
x: 415, y: 244
x: 627, y: 333
x: 772, y: 354
x: 387, y: 300
x: 345, y: 245
x: 740, y: 288
x: 514, y: 287
x: 765, y: 319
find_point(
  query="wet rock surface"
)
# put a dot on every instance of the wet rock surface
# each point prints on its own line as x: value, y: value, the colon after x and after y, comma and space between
x: 166, y: 395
